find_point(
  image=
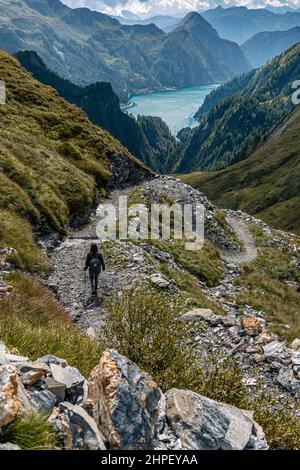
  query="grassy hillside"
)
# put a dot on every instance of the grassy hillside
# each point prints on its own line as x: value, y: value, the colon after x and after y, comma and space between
x: 52, y: 159
x: 267, y: 184
x: 239, y: 115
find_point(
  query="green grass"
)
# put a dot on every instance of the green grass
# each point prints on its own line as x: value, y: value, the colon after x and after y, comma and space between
x: 32, y: 321
x: 279, y: 302
x: 204, y: 264
x: 277, y: 263
x: 52, y: 160
x: 30, y: 431
x: 16, y: 232
x: 189, y: 284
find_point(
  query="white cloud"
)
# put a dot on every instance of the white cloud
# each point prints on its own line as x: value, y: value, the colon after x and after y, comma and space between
x: 146, y: 8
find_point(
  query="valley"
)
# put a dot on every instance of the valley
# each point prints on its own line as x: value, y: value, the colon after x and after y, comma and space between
x: 177, y: 348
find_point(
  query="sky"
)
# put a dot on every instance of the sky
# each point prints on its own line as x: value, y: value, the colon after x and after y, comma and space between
x: 147, y: 8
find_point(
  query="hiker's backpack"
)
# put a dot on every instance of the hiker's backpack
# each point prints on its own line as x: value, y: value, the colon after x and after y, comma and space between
x: 95, y: 264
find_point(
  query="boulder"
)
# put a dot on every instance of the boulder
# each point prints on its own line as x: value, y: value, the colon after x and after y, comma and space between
x: 277, y: 351
x: 30, y: 373
x: 49, y: 359
x: 56, y: 388
x: 9, y: 446
x: 159, y: 281
x: 287, y: 380
x: 204, y: 424
x: 295, y: 345
x: 229, y: 321
x: 201, y: 314
x: 251, y: 326
x: 44, y: 401
x: 76, y: 429
x: 9, y: 401
x: 125, y: 402
x: 76, y: 385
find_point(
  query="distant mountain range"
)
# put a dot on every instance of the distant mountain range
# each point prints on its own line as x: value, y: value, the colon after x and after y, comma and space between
x: 240, y: 23
x: 236, y: 117
x: 264, y: 46
x: 166, y: 23
x: 267, y: 183
x: 147, y: 138
x: 85, y: 47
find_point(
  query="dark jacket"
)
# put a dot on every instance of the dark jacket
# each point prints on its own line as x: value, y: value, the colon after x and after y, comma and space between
x: 95, y: 255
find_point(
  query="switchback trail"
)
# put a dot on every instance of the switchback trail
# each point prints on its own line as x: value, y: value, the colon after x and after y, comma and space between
x: 243, y: 234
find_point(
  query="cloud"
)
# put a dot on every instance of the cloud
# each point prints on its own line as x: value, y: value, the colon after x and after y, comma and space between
x: 146, y: 8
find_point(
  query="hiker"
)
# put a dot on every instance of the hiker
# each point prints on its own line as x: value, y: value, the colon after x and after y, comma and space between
x: 95, y: 263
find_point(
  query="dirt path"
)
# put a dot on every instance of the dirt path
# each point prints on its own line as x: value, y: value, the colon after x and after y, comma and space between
x: 243, y: 234
x: 127, y: 264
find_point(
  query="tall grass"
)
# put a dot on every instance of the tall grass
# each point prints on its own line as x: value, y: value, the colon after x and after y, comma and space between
x: 30, y: 431
x: 32, y: 321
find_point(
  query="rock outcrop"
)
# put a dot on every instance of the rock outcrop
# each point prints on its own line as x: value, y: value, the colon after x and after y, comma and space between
x: 201, y: 423
x: 125, y: 409
x: 124, y: 398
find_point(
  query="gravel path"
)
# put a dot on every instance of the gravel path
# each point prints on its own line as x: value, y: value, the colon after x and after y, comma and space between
x: 243, y: 234
x: 126, y: 266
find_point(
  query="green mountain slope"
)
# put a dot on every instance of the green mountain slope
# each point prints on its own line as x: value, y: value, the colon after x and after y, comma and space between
x: 264, y: 46
x: 267, y: 184
x: 53, y: 161
x: 147, y: 138
x: 85, y: 47
x: 238, y: 116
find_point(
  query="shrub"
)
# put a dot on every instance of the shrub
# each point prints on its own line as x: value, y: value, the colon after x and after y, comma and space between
x: 30, y: 431
x: 147, y: 329
x: 279, y: 302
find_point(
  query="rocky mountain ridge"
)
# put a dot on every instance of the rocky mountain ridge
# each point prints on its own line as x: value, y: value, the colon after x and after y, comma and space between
x: 96, y: 414
x: 86, y: 46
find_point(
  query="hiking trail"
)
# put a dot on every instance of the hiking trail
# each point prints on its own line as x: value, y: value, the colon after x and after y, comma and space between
x: 126, y: 263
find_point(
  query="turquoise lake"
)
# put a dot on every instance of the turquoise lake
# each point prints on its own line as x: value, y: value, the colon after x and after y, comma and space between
x: 175, y: 107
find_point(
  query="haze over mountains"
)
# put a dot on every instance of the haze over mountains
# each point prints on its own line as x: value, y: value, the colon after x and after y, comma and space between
x: 240, y: 23
x: 264, y: 46
x: 87, y: 47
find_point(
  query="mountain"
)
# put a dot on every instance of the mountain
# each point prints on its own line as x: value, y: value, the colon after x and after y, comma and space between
x: 86, y: 47
x: 240, y: 23
x: 264, y: 46
x: 267, y: 183
x: 98, y: 100
x: 53, y: 160
x: 164, y: 22
x: 239, y: 115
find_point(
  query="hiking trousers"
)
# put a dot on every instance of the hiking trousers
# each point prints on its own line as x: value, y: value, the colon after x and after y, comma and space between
x: 94, y: 278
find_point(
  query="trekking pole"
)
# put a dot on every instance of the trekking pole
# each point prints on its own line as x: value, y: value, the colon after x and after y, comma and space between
x: 85, y: 281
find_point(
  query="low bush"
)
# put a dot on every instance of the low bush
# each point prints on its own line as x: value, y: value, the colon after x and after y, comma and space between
x: 30, y: 431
